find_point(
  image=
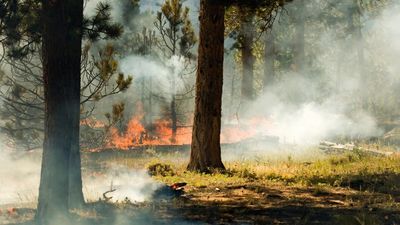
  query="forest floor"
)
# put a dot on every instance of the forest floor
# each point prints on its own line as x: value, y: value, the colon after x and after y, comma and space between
x: 349, y: 188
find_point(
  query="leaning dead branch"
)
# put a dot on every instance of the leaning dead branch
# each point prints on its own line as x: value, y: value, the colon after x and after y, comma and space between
x: 106, y: 198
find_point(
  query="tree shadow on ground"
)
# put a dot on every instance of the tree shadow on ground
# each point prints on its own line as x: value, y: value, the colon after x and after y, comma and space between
x: 254, y: 203
x: 386, y: 183
x: 257, y: 204
x: 204, y: 213
x: 286, y: 215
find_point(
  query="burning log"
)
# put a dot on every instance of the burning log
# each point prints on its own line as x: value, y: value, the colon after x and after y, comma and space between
x: 166, y: 192
x: 178, y: 186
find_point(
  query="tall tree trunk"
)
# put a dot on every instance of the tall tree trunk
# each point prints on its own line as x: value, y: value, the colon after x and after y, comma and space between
x: 248, y: 59
x: 174, y: 117
x: 232, y: 97
x: 357, y: 45
x: 206, y: 150
x: 299, y: 39
x: 76, y: 199
x: 269, y: 60
x: 62, y: 37
x: 357, y: 37
x: 142, y: 98
x: 150, y: 92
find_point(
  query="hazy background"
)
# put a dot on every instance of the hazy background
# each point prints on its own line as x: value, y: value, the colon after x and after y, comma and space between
x: 330, y: 99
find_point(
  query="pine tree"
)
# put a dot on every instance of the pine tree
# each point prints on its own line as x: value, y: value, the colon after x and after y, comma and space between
x: 177, y: 39
x: 60, y: 27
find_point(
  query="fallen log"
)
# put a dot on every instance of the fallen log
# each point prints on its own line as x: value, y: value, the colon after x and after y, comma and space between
x: 166, y: 192
x: 334, y: 148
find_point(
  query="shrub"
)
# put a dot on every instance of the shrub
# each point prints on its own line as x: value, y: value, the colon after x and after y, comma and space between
x: 160, y: 169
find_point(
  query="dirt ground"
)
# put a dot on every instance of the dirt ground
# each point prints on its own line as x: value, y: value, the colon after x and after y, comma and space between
x: 259, y: 204
x: 244, y: 204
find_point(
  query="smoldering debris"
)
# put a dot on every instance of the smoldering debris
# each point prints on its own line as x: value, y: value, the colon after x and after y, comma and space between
x: 167, y: 192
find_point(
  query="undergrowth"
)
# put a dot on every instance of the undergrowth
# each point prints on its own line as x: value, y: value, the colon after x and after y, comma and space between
x: 355, y: 170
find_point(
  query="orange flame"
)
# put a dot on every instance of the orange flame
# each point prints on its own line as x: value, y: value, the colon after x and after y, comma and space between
x: 160, y: 131
x: 246, y: 129
x: 137, y: 135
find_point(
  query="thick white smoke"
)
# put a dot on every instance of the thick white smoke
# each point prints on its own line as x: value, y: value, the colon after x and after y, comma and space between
x: 133, y: 185
x: 336, y: 101
x: 311, y: 121
x: 161, y: 73
x: 19, y: 177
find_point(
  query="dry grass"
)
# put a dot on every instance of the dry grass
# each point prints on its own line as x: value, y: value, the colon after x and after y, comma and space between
x: 334, y: 171
x: 353, y: 188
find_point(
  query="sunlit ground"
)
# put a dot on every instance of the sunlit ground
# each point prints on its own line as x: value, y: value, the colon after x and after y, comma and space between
x: 285, y: 186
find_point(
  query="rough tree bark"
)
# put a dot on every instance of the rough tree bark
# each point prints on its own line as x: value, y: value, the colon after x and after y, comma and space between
x: 248, y: 59
x: 269, y: 59
x: 62, y: 37
x: 76, y: 199
x: 206, y: 150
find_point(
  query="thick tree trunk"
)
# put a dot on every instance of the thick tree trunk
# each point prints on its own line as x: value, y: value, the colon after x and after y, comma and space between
x: 248, y: 59
x: 62, y: 22
x: 206, y: 150
x: 269, y: 60
x: 76, y: 199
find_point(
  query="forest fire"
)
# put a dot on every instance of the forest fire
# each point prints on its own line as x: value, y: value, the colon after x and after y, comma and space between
x: 136, y: 134
x: 160, y: 133
x: 199, y: 112
x: 245, y: 129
